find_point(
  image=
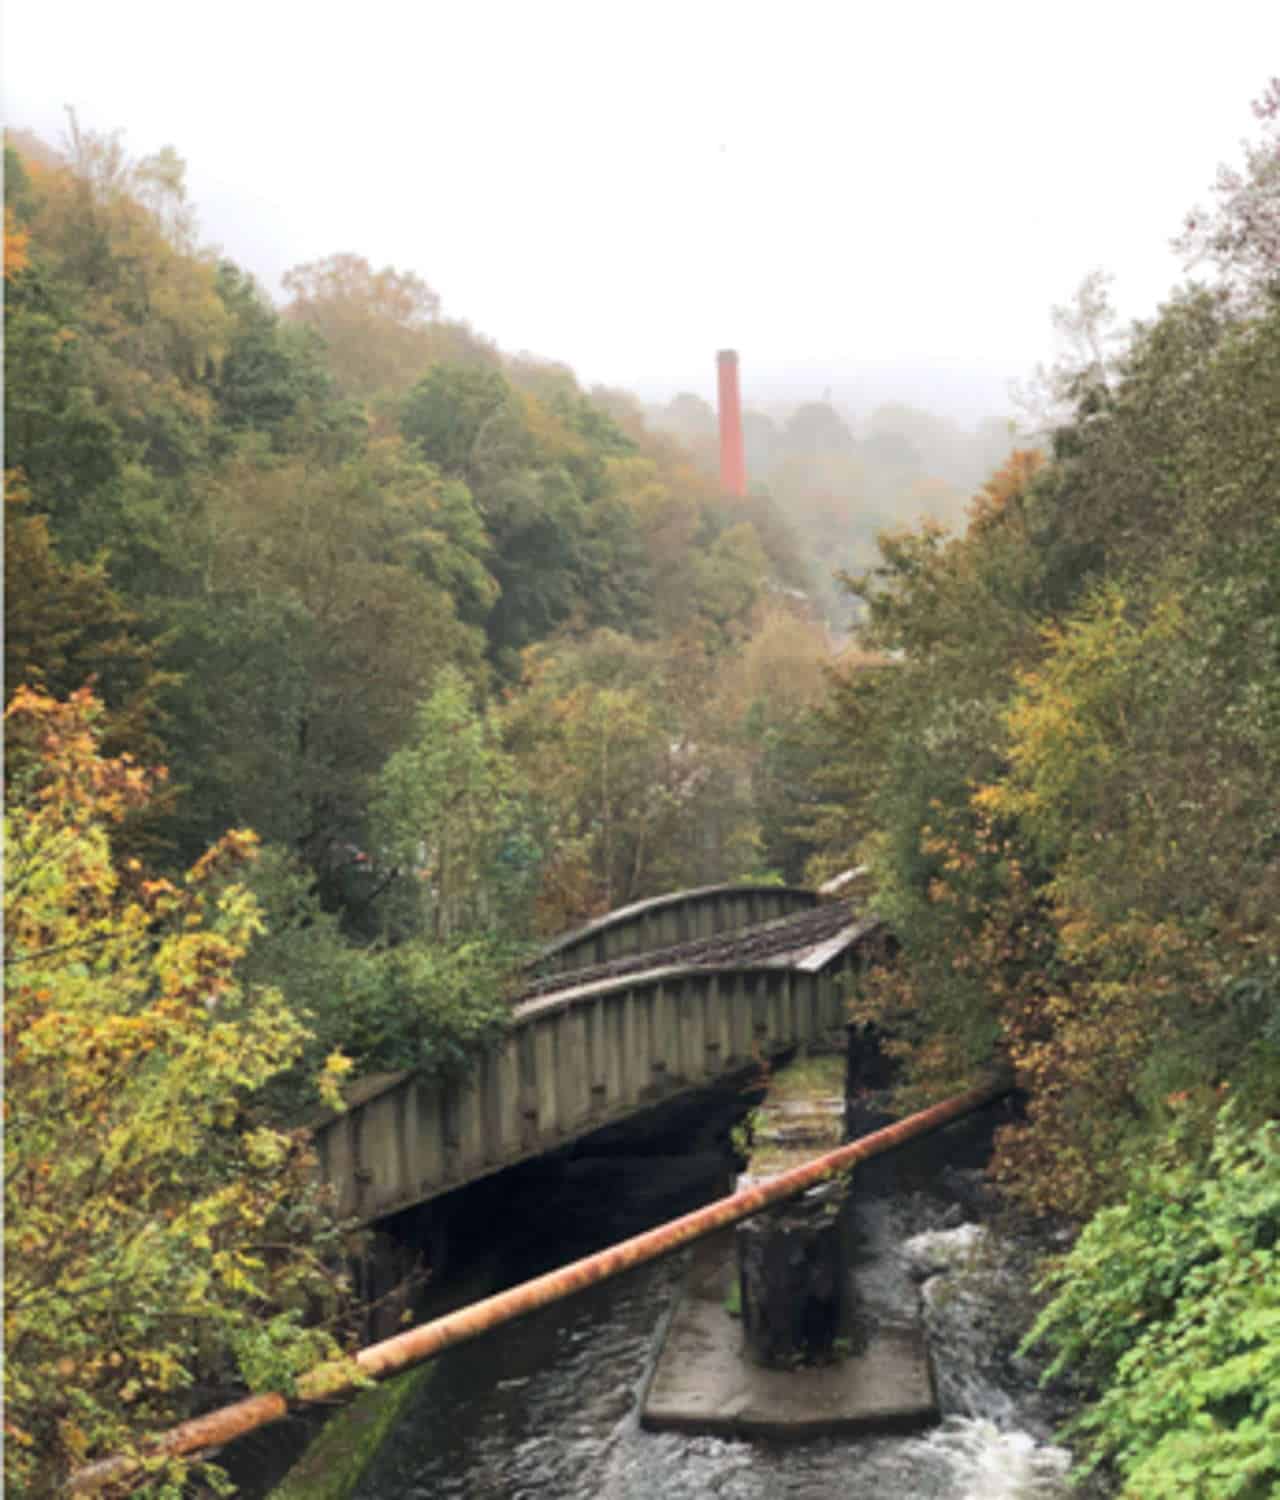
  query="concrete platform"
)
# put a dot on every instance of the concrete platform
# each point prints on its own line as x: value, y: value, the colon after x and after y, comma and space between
x: 702, y: 1381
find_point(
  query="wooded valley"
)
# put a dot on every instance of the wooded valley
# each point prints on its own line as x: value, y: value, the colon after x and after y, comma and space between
x: 347, y: 655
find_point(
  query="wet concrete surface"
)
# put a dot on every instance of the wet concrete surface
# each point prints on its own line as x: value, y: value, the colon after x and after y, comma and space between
x: 704, y: 1382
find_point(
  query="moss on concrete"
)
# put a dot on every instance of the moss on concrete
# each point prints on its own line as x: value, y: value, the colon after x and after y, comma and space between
x: 812, y: 1076
x: 341, y: 1451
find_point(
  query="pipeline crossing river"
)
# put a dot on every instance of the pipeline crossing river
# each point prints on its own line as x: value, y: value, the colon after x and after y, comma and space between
x: 548, y: 1407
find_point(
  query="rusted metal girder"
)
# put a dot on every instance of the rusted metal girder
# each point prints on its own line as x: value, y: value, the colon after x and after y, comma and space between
x: 427, y: 1340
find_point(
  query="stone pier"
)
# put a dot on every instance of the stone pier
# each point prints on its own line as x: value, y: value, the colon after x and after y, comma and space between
x: 766, y: 1340
x: 793, y: 1260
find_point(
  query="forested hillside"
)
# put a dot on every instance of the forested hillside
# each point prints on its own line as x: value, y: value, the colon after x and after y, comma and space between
x: 459, y: 653
x: 347, y: 654
x: 299, y: 516
x: 1067, y: 783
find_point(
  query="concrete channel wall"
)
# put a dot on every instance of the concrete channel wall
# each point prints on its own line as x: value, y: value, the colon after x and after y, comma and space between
x: 573, y: 1062
x: 664, y: 921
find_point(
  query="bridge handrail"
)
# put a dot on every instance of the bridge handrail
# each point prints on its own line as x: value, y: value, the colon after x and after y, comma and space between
x: 623, y: 915
x: 541, y: 1006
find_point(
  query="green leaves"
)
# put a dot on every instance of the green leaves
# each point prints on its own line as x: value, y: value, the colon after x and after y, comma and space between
x: 444, y: 807
x: 1171, y: 1300
x: 140, y: 1195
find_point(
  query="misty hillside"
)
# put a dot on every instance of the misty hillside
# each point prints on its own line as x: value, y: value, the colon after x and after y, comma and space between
x: 839, y: 478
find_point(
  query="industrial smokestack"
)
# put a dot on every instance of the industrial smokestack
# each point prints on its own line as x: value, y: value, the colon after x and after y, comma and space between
x: 733, y: 461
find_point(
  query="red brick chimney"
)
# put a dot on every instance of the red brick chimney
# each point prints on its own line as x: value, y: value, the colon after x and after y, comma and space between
x: 733, y: 462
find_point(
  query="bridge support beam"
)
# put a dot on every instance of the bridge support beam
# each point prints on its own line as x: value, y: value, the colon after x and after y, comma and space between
x: 793, y: 1281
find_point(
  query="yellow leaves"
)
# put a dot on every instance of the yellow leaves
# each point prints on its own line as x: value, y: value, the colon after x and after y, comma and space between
x: 1002, y: 799
x: 337, y: 1066
x: 265, y: 1148
x: 74, y: 1439
x: 16, y: 241
x: 120, y: 1192
x: 550, y: 433
x: 235, y: 1278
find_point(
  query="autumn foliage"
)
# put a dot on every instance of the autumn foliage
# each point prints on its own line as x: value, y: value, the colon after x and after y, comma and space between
x: 1067, y: 784
x: 160, y: 1237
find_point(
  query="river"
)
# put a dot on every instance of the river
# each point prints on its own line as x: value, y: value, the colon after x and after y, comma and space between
x: 548, y: 1407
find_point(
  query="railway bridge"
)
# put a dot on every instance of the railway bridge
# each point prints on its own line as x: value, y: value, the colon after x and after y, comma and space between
x: 658, y: 998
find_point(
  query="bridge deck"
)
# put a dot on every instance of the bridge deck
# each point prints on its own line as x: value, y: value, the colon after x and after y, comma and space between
x: 781, y: 942
x: 677, y: 918
x: 591, y: 1047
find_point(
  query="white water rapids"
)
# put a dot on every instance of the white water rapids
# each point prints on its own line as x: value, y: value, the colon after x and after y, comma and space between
x: 547, y: 1407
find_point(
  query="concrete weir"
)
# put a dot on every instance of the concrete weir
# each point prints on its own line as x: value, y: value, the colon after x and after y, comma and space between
x: 751, y: 1350
x: 703, y: 1381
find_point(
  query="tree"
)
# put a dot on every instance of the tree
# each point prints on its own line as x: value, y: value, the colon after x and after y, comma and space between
x: 668, y: 520
x: 159, y: 1238
x: 731, y: 577
x: 771, y: 686
x: 816, y: 428
x: 1086, y: 363
x: 272, y: 378
x: 58, y: 431
x: 412, y: 1002
x: 1066, y: 784
x: 15, y: 245
x: 322, y: 609
x: 910, y: 724
x: 639, y: 758
x: 1241, y: 238
x: 447, y: 815
x: 65, y: 627
x: 539, y: 463
x: 122, y: 235
x: 381, y: 329
x: 447, y: 411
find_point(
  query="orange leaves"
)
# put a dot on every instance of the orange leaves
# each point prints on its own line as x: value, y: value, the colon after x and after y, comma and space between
x: 236, y: 847
x: 131, y: 1053
x: 72, y: 779
x: 1003, y: 492
x: 16, y: 257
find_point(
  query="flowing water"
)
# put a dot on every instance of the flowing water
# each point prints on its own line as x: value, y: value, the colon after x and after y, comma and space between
x: 548, y: 1407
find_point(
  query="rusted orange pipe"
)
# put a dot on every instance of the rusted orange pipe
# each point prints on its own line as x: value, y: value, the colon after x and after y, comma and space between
x: 429, y: 1339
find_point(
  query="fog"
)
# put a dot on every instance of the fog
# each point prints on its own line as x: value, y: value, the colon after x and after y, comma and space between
x: 883, y: 201
x: 965, y: 391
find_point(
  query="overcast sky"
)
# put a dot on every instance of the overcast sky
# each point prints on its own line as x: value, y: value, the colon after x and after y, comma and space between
x: 885, y: 199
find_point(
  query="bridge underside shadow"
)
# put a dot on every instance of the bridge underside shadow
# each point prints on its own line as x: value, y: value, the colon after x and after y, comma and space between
x: 589, y: 1053
x: 604, y: 1186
